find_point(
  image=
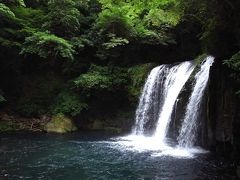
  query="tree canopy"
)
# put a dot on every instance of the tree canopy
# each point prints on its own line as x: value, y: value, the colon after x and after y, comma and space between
x: 75, y: 49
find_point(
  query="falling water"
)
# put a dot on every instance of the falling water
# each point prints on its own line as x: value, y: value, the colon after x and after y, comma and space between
x: 156, y: 106
x: 148, y: 100
x: 158, y: 98
x: 175, y: 80
x: 187, y: 136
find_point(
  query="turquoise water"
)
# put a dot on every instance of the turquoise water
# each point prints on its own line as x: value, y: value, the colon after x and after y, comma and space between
x: 98, y: 156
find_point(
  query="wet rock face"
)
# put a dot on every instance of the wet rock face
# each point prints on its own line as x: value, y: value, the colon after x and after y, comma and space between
x: 60, y: 124
x: 223, y: 112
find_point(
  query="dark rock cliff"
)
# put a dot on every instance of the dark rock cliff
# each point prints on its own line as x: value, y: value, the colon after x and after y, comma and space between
x: 223, y: 112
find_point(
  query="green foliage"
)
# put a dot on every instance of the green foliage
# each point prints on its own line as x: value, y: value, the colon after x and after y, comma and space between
x: 79, y: 43
x: 69, y: 103
x: 114, y: 42
x: 200, y: 58
x: 217, y: 22
x: 153, y: 12
x: 114, y: 20
x: 46, y: 94
x: 93, y: 80
x: 30, y: 107
x: 137, y: 76
x: 157, y: 17
x: 9, y: 36
x: 133, y: 22
x: 47, y: 45
x: 6, y: 12
x: 29, y: 18
x: 198, y: 63
x: 139, y: 19
x: 13, y: 2
x: 46, y: 28
x: 63, y: 18
x: 6, y: 126
x: 84, y: 31
x: 38, y: 95
x: 234, y: 64
x: 101, y: 78
x: 2, y: 99
x: 7, y: 39
x: 21, y: 2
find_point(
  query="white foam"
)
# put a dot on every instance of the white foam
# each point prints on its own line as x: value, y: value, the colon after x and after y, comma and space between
x: 142, y: 144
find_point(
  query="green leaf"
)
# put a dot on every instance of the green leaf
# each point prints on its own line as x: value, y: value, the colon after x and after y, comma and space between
x: 68, y: 102
x: 48, y: 45
x: 101, y: 78
x: 114, y: 42
x: 2, y: 99
x: 6, y: 12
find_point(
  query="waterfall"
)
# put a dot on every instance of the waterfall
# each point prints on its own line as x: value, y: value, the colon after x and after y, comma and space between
x: 159, y: 94
x: 187, y: 136
x: 158, y: 105
x: 148, y: 100
x: 175, y: 80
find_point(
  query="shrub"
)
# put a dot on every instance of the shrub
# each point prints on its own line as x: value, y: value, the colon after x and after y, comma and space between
x: 2, y: 99
x: 48, y: 45
x: 38, y: 95
x: 69, y: 103
x: 102, y: 78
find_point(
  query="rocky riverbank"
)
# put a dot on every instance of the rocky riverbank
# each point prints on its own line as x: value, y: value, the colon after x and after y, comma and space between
x: 62, y: 124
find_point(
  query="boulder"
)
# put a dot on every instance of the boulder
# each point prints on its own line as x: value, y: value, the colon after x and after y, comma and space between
x: 97, y: 125
x: 60, y: 124
x: 113, y: 130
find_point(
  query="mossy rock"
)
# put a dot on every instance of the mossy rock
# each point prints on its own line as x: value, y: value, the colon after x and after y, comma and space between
x: 5, y: 126
x: 113, y: 130
x: 60, y: 124
x: 238, y: 171
x: 97, y: 125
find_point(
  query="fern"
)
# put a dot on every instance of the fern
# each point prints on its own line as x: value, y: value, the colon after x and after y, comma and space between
x: 47, y: 45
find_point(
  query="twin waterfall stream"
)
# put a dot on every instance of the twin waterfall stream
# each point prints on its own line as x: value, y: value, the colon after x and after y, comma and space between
x: 157, y: 105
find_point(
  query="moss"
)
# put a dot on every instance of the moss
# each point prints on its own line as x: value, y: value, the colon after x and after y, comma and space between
x: 5, y: 126
x: 198, y: 61
x: 137, y: 75
x: 113, y: 130
x: 2, y: 99
x: 200, y: 58
x: 60, y: 124
x: 100, y: 125
x: 97, y: 125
